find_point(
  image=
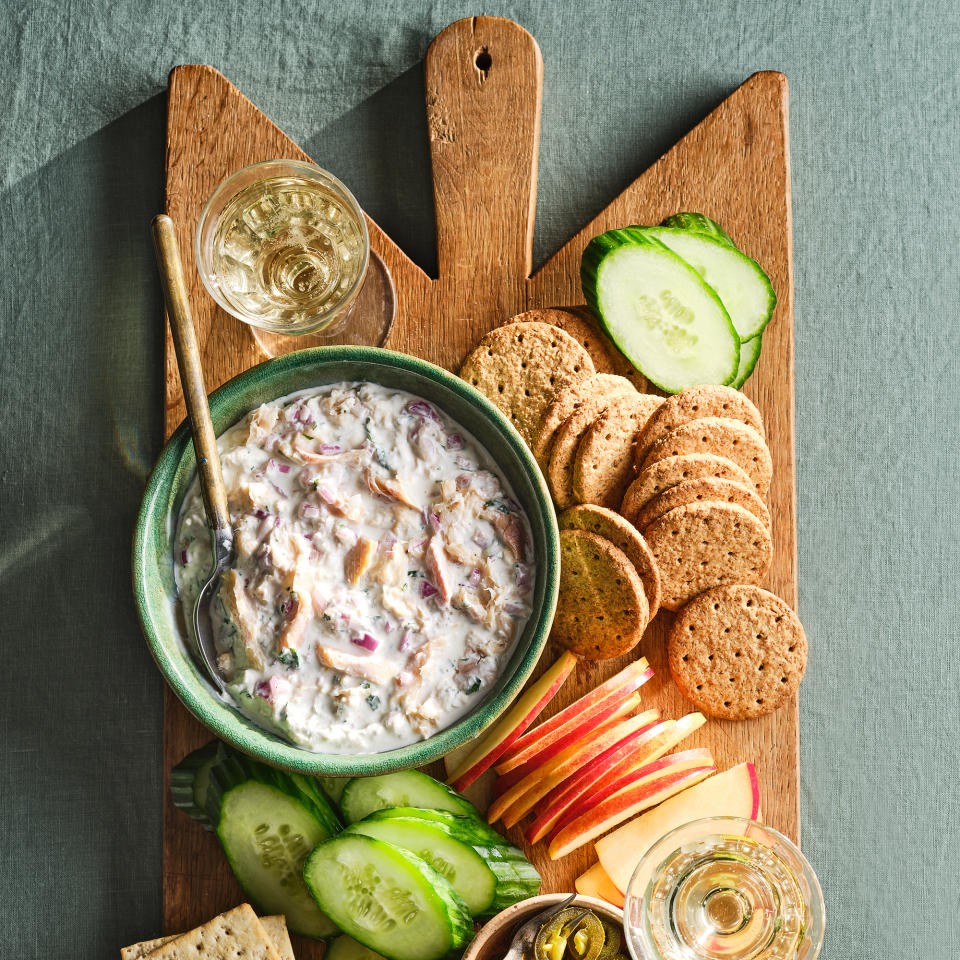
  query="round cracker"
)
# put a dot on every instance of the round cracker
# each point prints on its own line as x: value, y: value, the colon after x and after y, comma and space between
x: 566, y: 401
x: 603, y: 465
x: 520, y: 366
x: 565, y: 442
x: 602, y: 611
x: 571, y: 321
x: 737, y: 652
x: 706, y: 545
x: 670, y: 471
x: 624, y: 536
x: 732, y: 439
x: 620, y: 364
x: 695, y: 403
x: 705, y: 490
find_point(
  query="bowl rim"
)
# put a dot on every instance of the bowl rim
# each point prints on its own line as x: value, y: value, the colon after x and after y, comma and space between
x: 223, y: 718
x: 517, y: 912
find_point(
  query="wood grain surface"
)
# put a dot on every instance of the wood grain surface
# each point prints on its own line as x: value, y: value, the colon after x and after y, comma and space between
x: 483, y: 92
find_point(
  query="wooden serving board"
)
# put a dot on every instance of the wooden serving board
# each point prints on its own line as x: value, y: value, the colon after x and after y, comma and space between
x: 483, y: 94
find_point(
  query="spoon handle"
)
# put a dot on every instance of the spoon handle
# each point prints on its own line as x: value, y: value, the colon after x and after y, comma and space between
x: 191, y: 372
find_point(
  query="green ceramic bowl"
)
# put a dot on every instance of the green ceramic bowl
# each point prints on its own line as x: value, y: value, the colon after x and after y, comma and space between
x: 153, y: 549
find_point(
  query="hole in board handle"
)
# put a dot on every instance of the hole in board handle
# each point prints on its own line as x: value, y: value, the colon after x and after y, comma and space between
x: 483, y: 62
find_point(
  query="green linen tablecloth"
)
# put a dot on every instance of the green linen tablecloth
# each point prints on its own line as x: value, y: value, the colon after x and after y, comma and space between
x: 875, y: 145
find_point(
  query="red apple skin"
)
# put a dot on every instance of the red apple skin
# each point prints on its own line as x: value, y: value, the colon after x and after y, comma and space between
x: 608, y: 815
x: 551, y: 747
x: 755, y: 785
x: 621, y: 708
x: 585, y: 804
x: 583, y: 751
x: 610, y: 763
x: 481, y: 766
x: 631, y: 678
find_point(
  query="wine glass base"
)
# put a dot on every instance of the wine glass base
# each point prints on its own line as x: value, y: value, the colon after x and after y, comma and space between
x: 367, y: 323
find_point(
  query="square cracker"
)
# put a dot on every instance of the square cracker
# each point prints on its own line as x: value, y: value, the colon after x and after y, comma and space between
x: 241, y: 921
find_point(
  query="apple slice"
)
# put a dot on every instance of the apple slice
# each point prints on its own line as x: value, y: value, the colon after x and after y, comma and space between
x: 733, y: 793
x: 596, y: 883
x: 502, y: 784
x: 608, y: 773
x: 498, y: 739
x: 521, y: 797
x: 572, y: 722
x: 691, y: 758
x: 644, y: 793
x: 630, y: 753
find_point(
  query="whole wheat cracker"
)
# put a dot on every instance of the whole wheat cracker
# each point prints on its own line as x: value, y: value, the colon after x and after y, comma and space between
x: 520, y: 366
x: 623, y: 535
x: 705, y: 545
x: 670, y: 471
x: 566, y: 401
x: 728, y: 438
x: 276, y: 928
x: 695, y: 403
x: 705, y: 490
x: 603, y: 464
x: 578, y: 326
x: 737, y: 652
x: 602, y: 611
x: 564, y: 449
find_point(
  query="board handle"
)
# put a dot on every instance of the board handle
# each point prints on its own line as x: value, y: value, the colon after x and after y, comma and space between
x: 484, y: 86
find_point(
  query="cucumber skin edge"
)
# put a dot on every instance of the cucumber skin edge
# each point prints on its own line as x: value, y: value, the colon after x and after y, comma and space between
x: 461, y: 933
x: 593, y: 256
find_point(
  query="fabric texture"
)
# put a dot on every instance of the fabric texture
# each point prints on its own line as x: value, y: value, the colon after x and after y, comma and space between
x: 875, y: 140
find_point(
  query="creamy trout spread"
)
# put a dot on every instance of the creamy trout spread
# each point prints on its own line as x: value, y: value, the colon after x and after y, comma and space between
x: 383, y: 570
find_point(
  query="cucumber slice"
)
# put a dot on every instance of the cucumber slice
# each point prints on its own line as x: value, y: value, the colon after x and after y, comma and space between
x: 267, y: 834
x: 233, y: 768
x: 516, y: 877
x: 408, y: 788
x: 333, y: 788
x: 659, y: 311
x: 740, y: 282
x: 698, y: 223
x: 387, y: 899
x: 189, y: 780
x: 346, y: 948
x: 479, y: 828
x: 458, y: 862
x: 749, y: 355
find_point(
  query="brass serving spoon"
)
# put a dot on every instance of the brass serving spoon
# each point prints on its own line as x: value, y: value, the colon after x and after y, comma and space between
x: 204, y: 439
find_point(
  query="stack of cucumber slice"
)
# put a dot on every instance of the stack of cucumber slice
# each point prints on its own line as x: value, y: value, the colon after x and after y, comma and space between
x: 682, y: 303
x: 403, y: 880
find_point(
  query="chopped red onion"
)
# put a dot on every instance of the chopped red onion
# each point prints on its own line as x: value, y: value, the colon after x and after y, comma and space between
x: 427, y: 590
x: 278, y: 490
x: 482, y: 539
x: 183, y: 557
x: 475, y: 577
x: 366, y: 641
x: 463, y: 482
x: 454, y: 442
x: 308, y: 536
x: 515, y: 609
x: 262, y: 689
x: 388, y: 542
x: 258, y: 474
x: 326, y: 495
x: 405, y: 641
x: 421, y: 408
x: 309, y: 509
x: 329, y: 448
x: 434, y: 521
x: 522, y: 573
x: 260, y: 514
x: 464, y: 464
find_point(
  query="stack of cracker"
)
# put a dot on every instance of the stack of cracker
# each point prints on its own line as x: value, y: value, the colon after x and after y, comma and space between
x: 662, y: 504
x: 235, y: 935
